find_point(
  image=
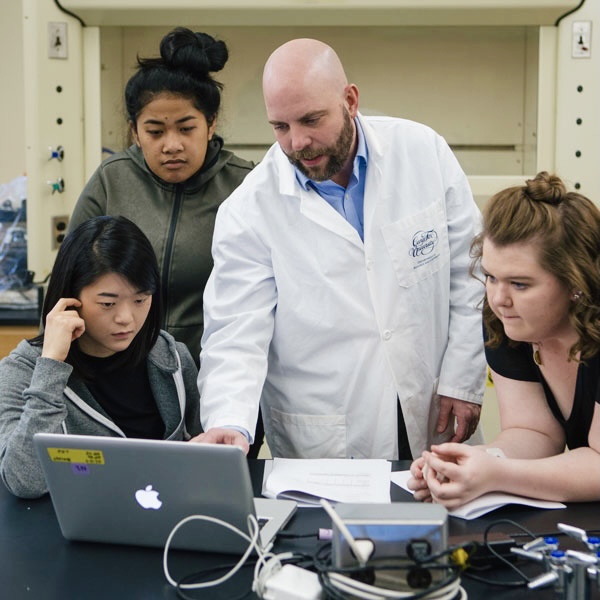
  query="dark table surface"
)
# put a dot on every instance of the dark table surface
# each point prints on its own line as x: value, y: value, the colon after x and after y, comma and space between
x: 37, y: 562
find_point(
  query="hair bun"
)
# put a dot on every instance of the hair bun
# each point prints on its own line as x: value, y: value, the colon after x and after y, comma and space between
x: 545, y: 188
x: 197, y: 52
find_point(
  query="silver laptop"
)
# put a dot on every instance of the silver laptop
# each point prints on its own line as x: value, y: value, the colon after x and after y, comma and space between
x: 131, y: 491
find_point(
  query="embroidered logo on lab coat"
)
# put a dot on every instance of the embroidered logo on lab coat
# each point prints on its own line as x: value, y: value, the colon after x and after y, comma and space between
x: 423, y: 248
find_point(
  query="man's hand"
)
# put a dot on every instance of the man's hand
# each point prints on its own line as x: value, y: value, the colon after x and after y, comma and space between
x: 466, y: 414
x: 228, y: 437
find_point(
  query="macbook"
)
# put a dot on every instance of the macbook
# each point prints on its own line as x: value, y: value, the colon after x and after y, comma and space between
x: 133, y: 491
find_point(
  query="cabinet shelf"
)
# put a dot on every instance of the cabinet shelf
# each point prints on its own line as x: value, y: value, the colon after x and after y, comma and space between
x: 319, y: 12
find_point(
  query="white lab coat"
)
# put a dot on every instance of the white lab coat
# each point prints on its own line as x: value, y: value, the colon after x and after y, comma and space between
x: 327, y: 331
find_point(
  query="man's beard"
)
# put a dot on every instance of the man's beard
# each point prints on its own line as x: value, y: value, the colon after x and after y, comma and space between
x: 337, y: 154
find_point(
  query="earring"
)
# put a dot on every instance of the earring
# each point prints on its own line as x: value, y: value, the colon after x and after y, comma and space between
x: 577, y: 295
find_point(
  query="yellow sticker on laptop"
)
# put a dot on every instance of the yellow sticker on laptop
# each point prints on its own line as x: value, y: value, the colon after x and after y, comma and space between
x: 76, y: 456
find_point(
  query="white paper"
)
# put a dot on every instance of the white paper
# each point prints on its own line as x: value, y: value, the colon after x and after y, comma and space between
x: 482, y: 505
x: 337, y: 480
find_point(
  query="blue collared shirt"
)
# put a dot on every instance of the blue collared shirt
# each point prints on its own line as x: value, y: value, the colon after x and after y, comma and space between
x: 349, y: 202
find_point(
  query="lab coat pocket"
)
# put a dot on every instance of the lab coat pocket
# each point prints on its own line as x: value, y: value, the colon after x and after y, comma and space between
x: 307, y: 436
x: 418, y: 245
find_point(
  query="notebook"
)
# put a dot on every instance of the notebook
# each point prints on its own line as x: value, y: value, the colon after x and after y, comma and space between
x: 133, y: 491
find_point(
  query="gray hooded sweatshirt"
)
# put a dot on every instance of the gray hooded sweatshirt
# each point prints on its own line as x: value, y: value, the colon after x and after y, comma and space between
x: 42, y: 394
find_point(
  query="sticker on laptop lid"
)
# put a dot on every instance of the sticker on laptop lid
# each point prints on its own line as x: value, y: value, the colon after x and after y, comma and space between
x: 79, y: 469
x: 77, y: 456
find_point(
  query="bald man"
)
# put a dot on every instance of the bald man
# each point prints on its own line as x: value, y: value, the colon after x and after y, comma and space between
x: 340, y: 297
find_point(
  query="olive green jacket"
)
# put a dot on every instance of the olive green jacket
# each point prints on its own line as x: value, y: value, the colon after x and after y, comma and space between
x: 177, y: 218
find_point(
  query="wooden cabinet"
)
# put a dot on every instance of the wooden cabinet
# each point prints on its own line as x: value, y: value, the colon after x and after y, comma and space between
x: 11, y: 335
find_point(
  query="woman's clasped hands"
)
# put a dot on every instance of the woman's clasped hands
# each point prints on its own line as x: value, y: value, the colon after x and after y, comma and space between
x: 453, y: 474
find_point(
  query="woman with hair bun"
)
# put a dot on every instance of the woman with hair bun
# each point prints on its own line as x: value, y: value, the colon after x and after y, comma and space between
x: 171, y: 181
x: 539, y: 252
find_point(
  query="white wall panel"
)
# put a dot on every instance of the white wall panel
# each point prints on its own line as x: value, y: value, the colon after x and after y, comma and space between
x: 54, y: 116
x: 503, y: 93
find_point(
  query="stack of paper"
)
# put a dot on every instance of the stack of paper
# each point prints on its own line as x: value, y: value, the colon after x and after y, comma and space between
x: 482, y: 505
x: 337, y: 480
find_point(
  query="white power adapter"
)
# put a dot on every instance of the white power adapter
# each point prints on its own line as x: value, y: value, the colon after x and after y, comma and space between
x: 293, y: 583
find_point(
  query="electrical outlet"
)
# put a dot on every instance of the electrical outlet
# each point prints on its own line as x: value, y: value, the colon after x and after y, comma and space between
x: 57, y: 40
x: 582, y: 39
x: 59, y: 230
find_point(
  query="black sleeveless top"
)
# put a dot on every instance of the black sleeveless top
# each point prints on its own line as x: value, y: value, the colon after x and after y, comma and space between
x: 516, y: 362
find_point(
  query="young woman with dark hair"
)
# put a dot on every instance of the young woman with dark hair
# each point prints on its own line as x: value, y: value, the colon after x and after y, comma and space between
x: 102, y: 365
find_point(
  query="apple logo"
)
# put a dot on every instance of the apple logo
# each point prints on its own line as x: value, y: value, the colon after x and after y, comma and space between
x: 148, y: 498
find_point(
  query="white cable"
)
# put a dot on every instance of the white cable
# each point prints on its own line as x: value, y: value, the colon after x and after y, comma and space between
x: 361, y: 553
x: 370, y: 592
x: 252, y: 543
x: 343, y: 586
x: 266, y: 566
